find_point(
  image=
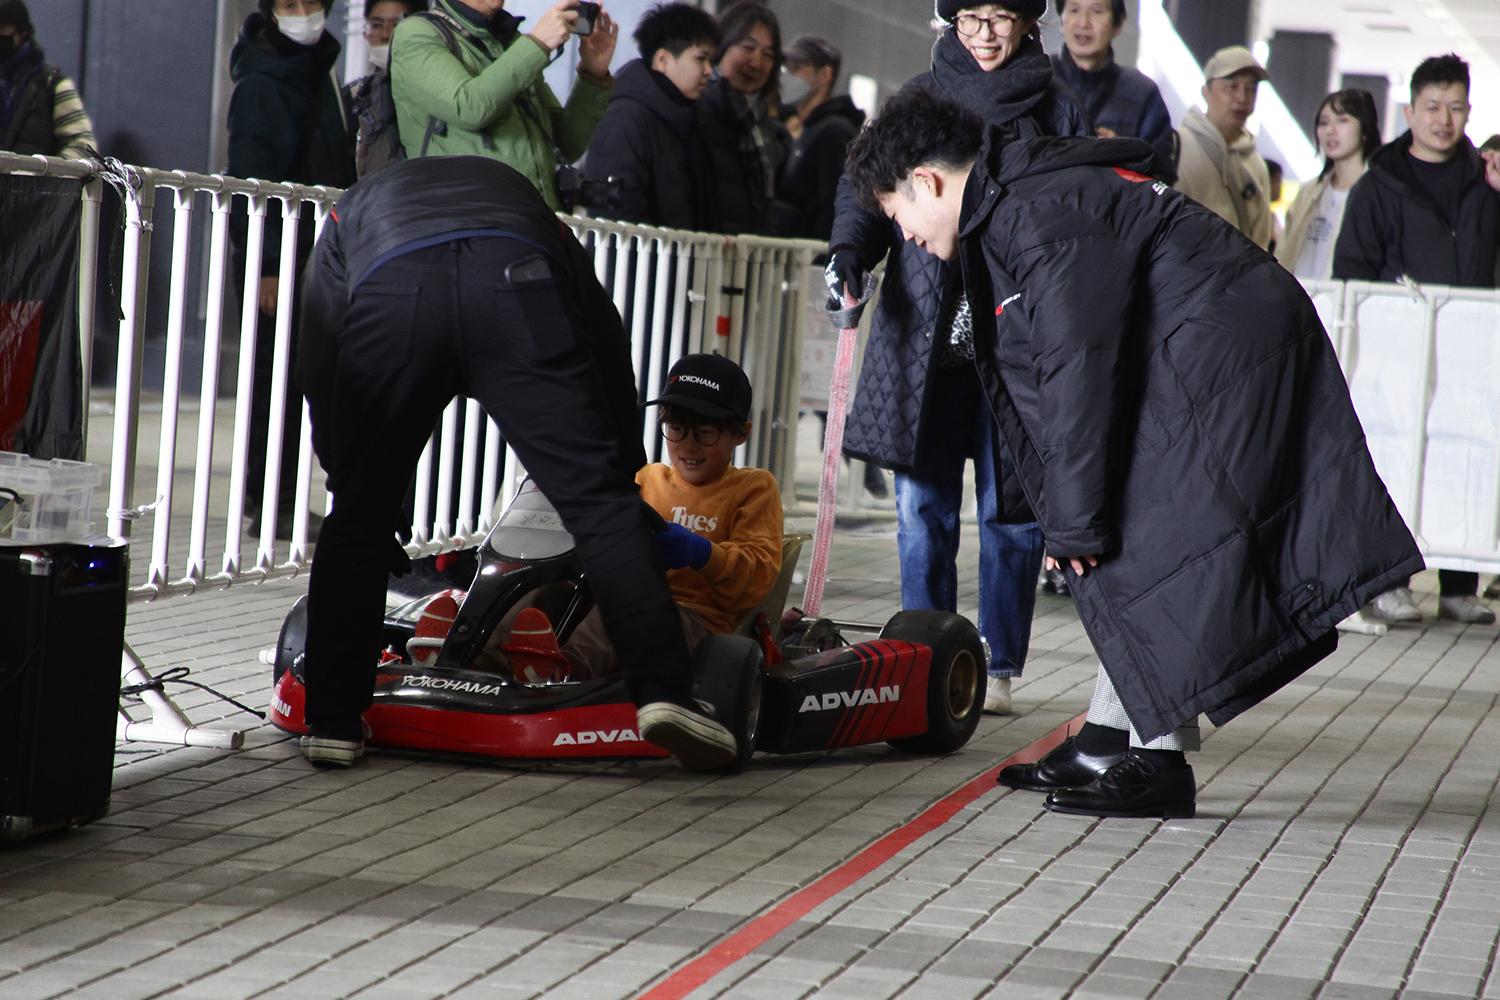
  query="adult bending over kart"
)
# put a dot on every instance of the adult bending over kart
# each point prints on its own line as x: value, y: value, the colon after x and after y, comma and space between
x: 1180, y: 423
x: 448, y: 275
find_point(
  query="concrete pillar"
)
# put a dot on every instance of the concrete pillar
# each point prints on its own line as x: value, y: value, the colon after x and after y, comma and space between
x: 1209, y: 25
x: 1301, y: 66
x: 1379, y: 88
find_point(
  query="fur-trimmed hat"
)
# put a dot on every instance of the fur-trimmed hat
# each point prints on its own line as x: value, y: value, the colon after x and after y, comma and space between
x: 948, y: 9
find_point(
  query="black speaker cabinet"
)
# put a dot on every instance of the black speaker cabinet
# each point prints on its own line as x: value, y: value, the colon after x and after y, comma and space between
x: 62, y: 619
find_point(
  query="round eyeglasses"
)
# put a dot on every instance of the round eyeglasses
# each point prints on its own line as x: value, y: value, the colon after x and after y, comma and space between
x: 705, y: 434
x: 1001, y: 25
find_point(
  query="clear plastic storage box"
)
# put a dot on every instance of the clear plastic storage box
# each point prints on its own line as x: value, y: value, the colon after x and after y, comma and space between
x: 54, y: 499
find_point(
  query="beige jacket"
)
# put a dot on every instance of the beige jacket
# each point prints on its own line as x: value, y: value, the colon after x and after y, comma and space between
x: 1230, y: 180
x: 1289, y: 247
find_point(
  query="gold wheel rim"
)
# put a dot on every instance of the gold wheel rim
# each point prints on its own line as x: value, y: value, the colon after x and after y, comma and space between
x: 963, y: 684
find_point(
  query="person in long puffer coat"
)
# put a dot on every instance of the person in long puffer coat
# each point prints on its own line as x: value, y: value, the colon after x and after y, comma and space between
x: 1180, y: 426
x: 918, y: 408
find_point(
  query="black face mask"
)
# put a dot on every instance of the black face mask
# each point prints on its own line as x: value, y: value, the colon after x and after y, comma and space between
x: 9, y: 46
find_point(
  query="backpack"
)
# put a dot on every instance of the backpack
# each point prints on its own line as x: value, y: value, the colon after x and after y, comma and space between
x: 378, y: 141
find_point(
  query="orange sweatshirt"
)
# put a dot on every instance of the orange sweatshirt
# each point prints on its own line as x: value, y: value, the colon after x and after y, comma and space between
x: 740, y: 513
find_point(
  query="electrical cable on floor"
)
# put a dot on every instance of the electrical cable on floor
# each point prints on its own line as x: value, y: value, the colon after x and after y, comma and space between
x: 178, y: 675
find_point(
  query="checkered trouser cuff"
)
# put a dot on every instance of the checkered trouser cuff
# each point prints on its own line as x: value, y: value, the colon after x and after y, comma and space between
x: 1105, y: 710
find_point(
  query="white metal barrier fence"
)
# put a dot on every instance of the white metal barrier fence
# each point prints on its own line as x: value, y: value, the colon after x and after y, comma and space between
x: 1423, y: 366
x: 676, y: 292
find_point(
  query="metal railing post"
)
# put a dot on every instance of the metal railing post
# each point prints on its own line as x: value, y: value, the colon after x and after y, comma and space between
x: 166, y: 461
x: 196, y: 570
x: 139, y: 202
x: 255, y: 232
x: 286, y: 290
x: 88, y: 291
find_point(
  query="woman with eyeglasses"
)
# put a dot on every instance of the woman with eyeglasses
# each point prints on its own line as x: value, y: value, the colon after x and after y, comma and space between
x: 919, y: 408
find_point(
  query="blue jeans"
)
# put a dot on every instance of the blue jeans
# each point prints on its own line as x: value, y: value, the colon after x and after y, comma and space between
x: 927, y: 505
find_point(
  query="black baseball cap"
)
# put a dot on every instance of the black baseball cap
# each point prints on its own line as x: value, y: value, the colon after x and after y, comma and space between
x: 707, y: 384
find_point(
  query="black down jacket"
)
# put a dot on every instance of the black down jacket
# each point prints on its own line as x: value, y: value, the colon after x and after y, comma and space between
x: 891, y: 395
x: 1173, y: 404
x: 650, y: 140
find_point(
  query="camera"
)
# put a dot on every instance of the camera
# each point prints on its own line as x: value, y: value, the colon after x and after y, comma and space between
x: 588, y: 13
x: 575, y: 191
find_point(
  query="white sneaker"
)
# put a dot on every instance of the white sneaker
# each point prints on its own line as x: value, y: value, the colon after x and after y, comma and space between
x: 1396, y: 605
x: 1361, y: 625
x: 1465, y: 608
x: 997, y: 696
x: 697, y: 741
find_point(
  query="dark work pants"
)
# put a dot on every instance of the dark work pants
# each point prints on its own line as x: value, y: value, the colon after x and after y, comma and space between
x: 423, y: 328
x: 1454, y: 583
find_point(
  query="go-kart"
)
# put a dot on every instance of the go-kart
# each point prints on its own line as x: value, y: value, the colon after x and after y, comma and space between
x: 781, y: 686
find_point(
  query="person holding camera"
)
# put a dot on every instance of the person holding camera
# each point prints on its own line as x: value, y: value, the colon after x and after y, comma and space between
x: 466, y: 79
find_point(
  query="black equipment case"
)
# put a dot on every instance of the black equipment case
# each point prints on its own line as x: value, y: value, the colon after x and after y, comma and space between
x: 62, y: 615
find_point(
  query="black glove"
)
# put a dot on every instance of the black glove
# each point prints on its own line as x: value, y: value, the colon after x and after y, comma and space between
x: 844, y: 273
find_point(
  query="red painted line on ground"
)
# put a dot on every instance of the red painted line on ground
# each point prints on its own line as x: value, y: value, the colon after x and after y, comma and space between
x: 756, y: 933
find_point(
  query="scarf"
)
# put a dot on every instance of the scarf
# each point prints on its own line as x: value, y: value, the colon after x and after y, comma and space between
x: 757, y: 137
x: 1003, y: 96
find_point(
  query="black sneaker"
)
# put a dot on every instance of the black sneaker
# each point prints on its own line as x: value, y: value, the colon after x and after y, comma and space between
x: 336, y: 743
x: 1136, y: 786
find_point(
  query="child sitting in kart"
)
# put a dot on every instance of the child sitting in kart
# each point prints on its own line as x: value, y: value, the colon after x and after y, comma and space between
x: 722, y: 550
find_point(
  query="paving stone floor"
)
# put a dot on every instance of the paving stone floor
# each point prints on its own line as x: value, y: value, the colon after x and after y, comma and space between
x: 1345, y: 849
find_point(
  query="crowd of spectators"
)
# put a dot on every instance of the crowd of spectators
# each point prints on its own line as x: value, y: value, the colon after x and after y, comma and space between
x: 720, y: 126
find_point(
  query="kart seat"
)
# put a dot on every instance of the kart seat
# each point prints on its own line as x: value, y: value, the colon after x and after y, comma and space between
x: 775, y: 601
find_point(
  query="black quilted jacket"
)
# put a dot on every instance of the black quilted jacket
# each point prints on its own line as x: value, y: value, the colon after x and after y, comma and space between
x: 1175, y: 406
x: 917, y: 291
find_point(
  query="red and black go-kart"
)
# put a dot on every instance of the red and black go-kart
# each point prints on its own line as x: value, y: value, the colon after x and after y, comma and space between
x: 919, y: 686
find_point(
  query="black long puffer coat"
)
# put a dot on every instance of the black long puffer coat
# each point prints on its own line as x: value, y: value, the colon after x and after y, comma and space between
x: 890, y: 397
x: 1175, y: 405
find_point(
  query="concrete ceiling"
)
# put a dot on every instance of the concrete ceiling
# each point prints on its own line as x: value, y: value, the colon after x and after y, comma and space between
x: 1389, y: 37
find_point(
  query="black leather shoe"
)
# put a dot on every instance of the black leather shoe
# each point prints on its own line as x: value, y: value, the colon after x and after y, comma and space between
x: 1133, y: 787
x: 1065, y: 766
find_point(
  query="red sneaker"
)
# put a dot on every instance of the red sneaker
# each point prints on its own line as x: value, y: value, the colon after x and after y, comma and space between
x: 432, y: 628
x: 535, y: 657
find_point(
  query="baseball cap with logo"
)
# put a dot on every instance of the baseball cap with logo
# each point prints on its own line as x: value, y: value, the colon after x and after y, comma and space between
x: 707, y: 384
x: 1231, y: 60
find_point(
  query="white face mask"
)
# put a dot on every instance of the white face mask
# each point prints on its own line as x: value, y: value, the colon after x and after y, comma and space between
x: 302, y: 30
x: 380, y: 57
x: 794, y: 89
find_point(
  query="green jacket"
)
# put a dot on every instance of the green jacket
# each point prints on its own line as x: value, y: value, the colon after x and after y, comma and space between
x: 477, y: 97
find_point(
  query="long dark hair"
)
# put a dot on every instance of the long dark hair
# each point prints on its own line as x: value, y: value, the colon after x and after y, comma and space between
x: 736, y: 23
x: 1360, y: 104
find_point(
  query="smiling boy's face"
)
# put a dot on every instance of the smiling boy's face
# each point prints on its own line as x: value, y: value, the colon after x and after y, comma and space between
x: 700, y: 464
x: 927, y: 207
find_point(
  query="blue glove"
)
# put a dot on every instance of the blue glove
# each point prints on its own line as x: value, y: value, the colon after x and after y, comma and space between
x: 681, y: 547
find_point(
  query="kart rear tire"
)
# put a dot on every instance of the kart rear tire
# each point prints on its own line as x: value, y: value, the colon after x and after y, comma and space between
x: 729, y: 672
x: 292, y: 641
x: 955, y: 681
